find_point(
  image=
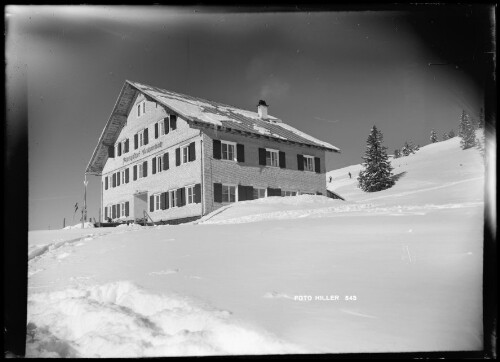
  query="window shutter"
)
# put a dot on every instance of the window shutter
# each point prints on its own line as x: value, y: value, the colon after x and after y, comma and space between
x: 118, y: 214
x: 105, y: 212
x: 118, y: 177
x: 126, y: 209
x: 173, y: 122
x: 273, y: 192
x: 135, y: 172
x: 145, y: 169
x: 300, y: 162
x: 217, y: 192
x: 156, y: 130
x: 197, y: 193
x: 165, y: 161
x: 111, y: 151
x: 192, y: 152
x: 162, y: 200
x: 113, y: 212
x: 183, y: 196
x: 317, y: 165
x: 240, y: 152
x: 106, y: 182
x: 119, y: 149
x: 146, y: 140
x: 217, y: 149
x: 249, y: 193
x: 177, y: 156
x: 153, y: 163
x: 126, y: 145
x: 179, y: 197
x: 242, y: 193
x: 126, y: 175
x: 114, y: 180
x: 262, y: 156
x: 167, y: 200
x: 282, y: 160
x: 166, y: 125
x: 136, y: 141
x: 151, y: 203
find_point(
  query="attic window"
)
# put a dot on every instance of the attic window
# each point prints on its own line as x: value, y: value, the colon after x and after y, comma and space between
x: 141, y: 108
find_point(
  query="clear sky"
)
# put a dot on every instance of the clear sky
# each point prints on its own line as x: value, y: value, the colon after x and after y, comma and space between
x: 332, y: 74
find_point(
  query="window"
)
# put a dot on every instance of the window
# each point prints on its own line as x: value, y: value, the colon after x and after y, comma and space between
x: 140, y: 170
x: 141, y: 138
x: 173, y: 198
x: 124, y: 146
x: 190, y: 194
x: 228, y: 193
x: 159, y: 164
x: 157, y: 202
x: 161, y: 128
x: 184, y: 154
x: 228, y: 150
x: 307, y: 193
x: 272, y: 157
x: 122, y: 209
x: 288, y: 193
x: 122, y: 173
x: 309, y: 163
x: 259, y: 193
x: 141, y: 108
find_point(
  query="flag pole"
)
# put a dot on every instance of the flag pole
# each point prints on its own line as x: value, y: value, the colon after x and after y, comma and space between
x: 84, y: 210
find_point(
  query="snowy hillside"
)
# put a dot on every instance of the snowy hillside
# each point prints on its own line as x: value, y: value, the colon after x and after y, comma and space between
x: 396, y: 270
x: 439, y: 173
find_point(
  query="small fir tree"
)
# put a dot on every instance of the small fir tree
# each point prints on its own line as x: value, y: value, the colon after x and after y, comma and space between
x: 463, y: 119
x: 481, y: 119
x: 445, y: 136
x: 397, y: 153
x: 451, y: 134
x: 377, y: 173
x: 466, y: 132
x: 434, y: 137
x: 408, y: 148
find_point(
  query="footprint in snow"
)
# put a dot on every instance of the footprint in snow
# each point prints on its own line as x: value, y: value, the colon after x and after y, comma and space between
x: 62, y: 256
x: 357, y: 314
x: 276, y: 295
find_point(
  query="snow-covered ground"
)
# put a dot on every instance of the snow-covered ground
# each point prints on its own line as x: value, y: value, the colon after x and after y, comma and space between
x: 396, y: 270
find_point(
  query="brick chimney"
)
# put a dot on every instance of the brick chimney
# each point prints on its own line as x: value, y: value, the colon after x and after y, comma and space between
x: 262, y: 109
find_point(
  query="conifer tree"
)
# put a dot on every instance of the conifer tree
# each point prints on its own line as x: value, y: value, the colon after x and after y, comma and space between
x: 451, y: 134
x: 409, y: 148
x: 397, y: 153
x: 445, y: 136
x: 463, y: 119
x: 481, y: 119
x: 466, y: 132
x: 377, y: 173
x: 434, y: 137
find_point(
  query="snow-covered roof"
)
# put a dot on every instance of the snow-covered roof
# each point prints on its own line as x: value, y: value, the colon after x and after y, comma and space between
x: 197, y: 110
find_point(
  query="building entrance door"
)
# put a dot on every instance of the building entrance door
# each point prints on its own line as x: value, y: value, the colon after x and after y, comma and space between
x: 140, y: 204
